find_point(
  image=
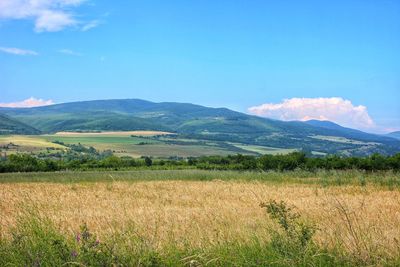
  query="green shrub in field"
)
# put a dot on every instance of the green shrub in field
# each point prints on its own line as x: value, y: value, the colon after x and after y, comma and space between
x: 293, y: 240
x: 89, y: 251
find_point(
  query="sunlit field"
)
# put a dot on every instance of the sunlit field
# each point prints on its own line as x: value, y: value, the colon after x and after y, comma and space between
x: 122, y: 143
x: 190, y: 217
x: 25, y: 143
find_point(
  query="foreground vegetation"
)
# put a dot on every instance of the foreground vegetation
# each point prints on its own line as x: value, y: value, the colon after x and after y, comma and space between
x: 36, y: 241
x: 200, y: 218
x: 387, y: 179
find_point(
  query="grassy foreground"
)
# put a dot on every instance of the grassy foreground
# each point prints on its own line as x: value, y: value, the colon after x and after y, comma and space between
x: 387, y: 179
x: 200, y: 218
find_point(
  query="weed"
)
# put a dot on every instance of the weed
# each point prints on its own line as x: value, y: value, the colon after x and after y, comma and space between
x: 294, y: 238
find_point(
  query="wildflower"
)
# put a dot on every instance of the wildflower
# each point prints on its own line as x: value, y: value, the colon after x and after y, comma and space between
x: 78, y: 237
x: 74, y: 254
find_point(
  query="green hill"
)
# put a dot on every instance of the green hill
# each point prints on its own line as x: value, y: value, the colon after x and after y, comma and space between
x: 199, y: 122
x: 12, y: 126
x: 394, y: 134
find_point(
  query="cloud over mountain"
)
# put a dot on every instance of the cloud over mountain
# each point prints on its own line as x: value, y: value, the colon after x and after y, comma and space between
x: 28, y: 103
x: 335, y: 109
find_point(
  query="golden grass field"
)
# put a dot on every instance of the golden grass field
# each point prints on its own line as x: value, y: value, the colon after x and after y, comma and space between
x: 28, y: 144
x: 28, y: 141
x: 360, y: 220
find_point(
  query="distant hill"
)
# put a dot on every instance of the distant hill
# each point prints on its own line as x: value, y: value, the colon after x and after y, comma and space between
x: 394, y: 134
x: 199, y: 122
x: 348, y: 131
x: 327, y: 124
x: 12, y: 126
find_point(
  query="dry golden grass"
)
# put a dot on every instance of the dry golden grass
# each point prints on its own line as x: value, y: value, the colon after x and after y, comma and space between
x: 29, y: 144
x: 28, y: 141
x: 199, y: 213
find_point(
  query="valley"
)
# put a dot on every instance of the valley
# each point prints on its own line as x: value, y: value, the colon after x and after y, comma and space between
x: 133, y: 144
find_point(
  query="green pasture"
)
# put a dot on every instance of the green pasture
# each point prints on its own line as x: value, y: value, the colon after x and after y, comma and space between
x: 136, y: 146
x: 323, y: 178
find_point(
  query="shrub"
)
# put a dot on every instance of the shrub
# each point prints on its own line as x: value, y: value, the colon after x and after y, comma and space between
x: 91, y: 252
x: 293, y: 240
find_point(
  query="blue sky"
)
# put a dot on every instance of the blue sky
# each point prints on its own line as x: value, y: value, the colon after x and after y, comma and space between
x: 237, y: 54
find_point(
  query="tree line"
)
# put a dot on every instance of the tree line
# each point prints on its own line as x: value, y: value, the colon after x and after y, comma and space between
x: 288, y: 162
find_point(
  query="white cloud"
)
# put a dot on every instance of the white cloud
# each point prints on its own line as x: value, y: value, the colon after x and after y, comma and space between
x: 335, y: 109
x: 48, y: 15
x: 53, y: 21
x: 69, y: 52
x: 18, y: 51
x: 90, y: 25
x: 28, y: 103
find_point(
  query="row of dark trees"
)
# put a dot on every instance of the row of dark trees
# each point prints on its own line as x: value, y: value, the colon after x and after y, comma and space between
x: 29, y: 163
x: 292, y: 161
x: 299, y: 160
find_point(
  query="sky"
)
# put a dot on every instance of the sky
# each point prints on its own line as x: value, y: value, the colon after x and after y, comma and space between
x: 290, y: 60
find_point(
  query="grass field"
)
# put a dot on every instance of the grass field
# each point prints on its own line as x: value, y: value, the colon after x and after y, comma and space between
x: 135, y: 144
x: 121, y: 144
x: 197, y: 218
x: 263, y: 149
x: 342, y: 140
x: 113, y: 133
x: 25, y: 143
x: 98, y: 140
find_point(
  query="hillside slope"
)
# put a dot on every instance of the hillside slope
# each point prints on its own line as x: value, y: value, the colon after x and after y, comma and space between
x: 12, y: 126
x: 394, y: 134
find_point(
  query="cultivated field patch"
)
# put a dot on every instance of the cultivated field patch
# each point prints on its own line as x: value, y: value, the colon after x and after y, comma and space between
x: 114, y: 133
x: 26, y: 144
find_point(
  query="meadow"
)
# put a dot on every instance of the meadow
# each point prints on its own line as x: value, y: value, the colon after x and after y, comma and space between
x: 200, y: 218
x: 26, y: 143
x: 132, y: 143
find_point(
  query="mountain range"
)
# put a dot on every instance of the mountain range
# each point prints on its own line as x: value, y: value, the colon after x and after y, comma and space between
x: 194, y: 122
x: 394, y: 134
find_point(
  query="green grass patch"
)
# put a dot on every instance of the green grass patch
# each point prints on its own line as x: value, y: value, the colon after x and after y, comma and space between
x: 262, y: 150
x: 323, y: 178
x: 93, y: 140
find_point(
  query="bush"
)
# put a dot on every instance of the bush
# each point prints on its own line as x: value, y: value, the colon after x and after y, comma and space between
x: 293, y: 240
x: 148, y: 161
